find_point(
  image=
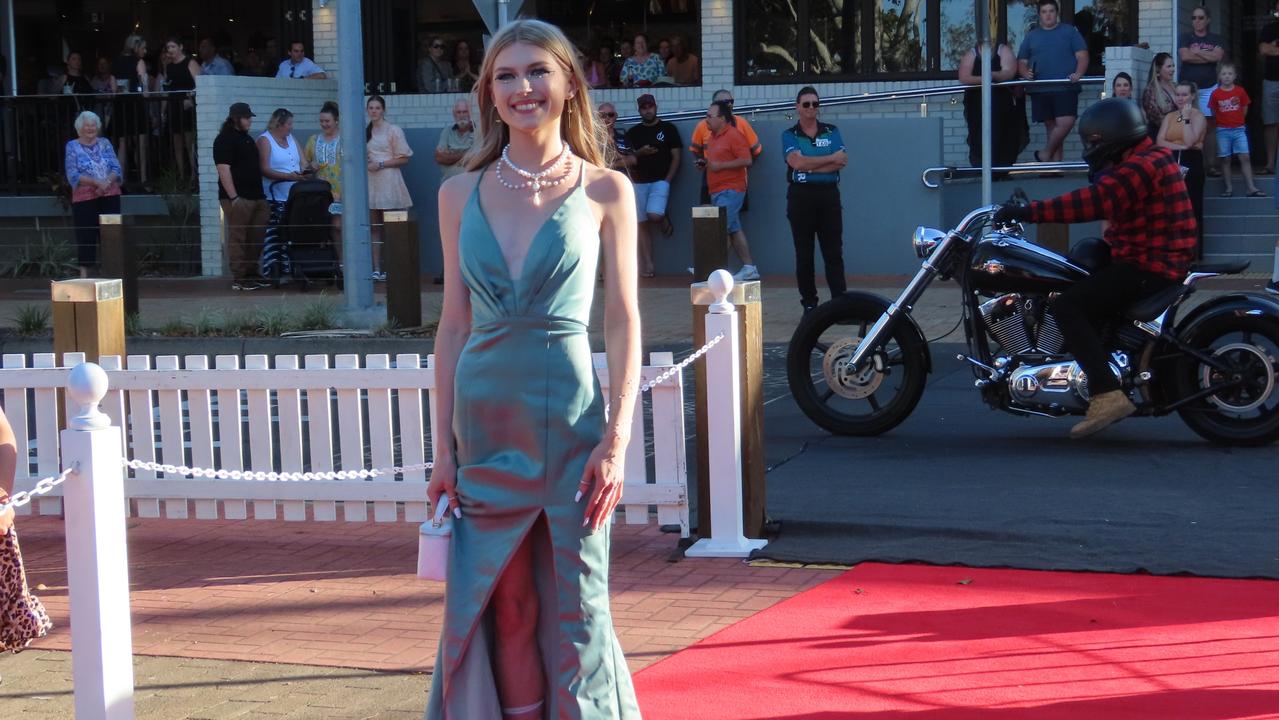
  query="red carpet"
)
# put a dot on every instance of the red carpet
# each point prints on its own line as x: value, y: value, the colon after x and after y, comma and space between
x: 945, y: 643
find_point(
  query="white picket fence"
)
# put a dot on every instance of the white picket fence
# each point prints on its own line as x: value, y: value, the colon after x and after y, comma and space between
x: 291, y: 414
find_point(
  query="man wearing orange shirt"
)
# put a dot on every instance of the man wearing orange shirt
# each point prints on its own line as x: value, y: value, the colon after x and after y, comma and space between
x: 697, y: 144
x: 726, y: 155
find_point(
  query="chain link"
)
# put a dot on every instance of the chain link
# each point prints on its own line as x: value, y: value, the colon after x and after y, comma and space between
x: 275, y: 476
x: 670, y: 372
x: 43, y: 487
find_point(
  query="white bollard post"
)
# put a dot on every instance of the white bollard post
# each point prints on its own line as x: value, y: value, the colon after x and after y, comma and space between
x: 723, y: 424
x: 97, y: 555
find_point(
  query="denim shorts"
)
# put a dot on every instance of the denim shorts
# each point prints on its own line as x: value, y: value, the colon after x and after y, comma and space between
x: 730, y: 200
x: 1232, y: 141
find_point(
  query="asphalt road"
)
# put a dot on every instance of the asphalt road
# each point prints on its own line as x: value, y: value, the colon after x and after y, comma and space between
x: 958, y: 483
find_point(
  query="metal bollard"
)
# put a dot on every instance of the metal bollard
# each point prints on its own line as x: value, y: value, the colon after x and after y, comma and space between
x: 97, y: 555
x: 119, y: 258
x: 724, y: 438
x: 401, y: 256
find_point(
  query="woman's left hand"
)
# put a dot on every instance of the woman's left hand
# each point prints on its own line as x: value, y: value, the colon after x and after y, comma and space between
x: 602, y: 479
x: 373, y: 167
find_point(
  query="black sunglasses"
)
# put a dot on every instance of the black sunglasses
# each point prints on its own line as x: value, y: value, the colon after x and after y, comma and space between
x: 608, y: 114
x: 811, y: 104
x: 437, y: 46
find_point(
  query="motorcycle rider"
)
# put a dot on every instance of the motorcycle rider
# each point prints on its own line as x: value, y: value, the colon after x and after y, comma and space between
x: 1139, y: 190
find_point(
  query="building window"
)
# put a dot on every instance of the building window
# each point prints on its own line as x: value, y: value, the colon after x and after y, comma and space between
x: 605, y: 33
x: 896, y: 39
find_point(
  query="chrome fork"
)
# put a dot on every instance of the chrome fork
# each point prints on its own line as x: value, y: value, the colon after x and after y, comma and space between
x: 905, y: 301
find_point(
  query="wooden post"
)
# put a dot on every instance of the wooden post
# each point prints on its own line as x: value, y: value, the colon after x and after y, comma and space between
x: 119, y: 259
x: 710, y: 239
x: 97, y: 555
x: 401, y: 259
x: 745, y: 298
x: 88, y: 317
x: 724, y: 439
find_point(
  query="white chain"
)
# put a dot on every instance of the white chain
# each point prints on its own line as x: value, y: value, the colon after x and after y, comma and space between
x: 275, y: 476
x: 43, y: 487
x: 670, y: 372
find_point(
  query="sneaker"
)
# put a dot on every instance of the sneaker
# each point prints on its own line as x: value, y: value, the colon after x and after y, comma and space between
x: 748, y: 272
x: 379, y: 276
x: 1272, y: 287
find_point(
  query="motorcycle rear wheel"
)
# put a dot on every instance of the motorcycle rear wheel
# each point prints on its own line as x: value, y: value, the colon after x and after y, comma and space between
x: 871, y: 401
x: 1246, y: 413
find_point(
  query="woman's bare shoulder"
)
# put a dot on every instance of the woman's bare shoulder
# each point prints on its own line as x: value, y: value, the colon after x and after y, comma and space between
x: 455, y: 189
x: 606, y: 186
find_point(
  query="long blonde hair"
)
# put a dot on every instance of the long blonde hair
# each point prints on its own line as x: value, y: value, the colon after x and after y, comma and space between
x: 578, y: 126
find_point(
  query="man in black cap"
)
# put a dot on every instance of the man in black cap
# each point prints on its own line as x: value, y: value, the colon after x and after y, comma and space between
x: 656, y: 146
x: 244, y: 205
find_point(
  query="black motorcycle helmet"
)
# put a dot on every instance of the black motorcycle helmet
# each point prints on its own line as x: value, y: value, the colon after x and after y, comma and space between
x: 1108, y: 128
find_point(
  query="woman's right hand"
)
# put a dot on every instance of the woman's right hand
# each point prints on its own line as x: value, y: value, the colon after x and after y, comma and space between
x: 444, y: 484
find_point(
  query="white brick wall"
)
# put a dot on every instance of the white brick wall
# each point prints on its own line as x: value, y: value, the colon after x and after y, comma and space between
x: 324, y: 37
x: 214, y: 96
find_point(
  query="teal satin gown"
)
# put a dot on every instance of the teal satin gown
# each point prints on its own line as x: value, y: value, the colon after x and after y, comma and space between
x: 527, y: 413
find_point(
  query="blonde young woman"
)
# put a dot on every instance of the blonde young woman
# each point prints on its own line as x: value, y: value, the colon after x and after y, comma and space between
x: 1183, y: 131
x: 529, y: 467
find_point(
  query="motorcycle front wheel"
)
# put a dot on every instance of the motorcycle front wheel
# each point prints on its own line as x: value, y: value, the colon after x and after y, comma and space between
x: 866, y: 401
x: 1246, y: 409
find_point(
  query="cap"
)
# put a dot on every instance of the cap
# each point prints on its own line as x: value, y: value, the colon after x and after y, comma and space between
x: 239, y: 110
x: 646, y: 99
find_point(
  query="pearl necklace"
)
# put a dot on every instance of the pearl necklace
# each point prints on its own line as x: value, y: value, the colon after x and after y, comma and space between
x: 535, y: 180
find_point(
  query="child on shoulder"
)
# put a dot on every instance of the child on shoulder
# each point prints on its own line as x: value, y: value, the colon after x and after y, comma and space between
x: 1229, y: 104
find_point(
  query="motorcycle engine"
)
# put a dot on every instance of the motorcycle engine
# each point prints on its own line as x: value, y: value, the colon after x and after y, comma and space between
x: 1027, y: 332
x: 1022, y: 325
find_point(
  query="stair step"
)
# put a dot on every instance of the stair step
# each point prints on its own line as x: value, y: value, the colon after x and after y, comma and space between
x: 1214, y: 205
x: 1232, y: 243
x: 1242, y: 224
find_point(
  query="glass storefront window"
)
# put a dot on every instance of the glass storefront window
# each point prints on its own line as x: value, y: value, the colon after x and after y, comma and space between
x: 604, y: 33
x: 771, y: 48
x: 901, y: 40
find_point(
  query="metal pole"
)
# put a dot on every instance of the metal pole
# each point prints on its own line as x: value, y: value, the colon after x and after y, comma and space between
x: 356, y: 246
x: 10, y: 50
x: 983, y: 32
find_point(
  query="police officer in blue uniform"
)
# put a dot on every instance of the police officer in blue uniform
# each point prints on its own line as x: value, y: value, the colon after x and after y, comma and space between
x: 815, y: 154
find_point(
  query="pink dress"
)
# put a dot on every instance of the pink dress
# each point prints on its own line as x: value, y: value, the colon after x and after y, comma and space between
x: 387, y: 190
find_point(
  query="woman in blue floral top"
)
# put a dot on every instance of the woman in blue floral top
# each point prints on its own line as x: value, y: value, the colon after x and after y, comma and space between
x: 643, y: 68
x: 93, y: 172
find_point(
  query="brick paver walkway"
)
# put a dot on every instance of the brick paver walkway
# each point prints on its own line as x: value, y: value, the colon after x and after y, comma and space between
x: 345, y: 594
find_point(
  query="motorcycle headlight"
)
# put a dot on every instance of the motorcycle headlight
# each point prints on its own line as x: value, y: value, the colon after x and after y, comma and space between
x: 926, y: 239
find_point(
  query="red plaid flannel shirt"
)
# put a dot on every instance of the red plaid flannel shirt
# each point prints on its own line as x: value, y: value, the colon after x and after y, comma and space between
x: 1152, y: 223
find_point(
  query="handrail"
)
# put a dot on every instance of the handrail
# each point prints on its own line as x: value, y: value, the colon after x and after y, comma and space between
x: 950, y: 172
x: 867, y: 97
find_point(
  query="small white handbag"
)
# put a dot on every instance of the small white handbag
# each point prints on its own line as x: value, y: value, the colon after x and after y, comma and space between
x: 433, y: 545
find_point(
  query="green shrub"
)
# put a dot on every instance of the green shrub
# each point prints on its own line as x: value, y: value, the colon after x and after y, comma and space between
x: 321, y: 314
x: 32, y: 319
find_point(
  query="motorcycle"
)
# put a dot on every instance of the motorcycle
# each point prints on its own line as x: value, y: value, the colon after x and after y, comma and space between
x: 857, y: 365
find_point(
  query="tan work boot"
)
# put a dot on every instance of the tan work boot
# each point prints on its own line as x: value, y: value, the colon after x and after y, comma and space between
x: 1105, y: 409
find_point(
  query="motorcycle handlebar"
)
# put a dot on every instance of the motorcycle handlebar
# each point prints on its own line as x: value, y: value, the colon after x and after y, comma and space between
x: 976, y: 217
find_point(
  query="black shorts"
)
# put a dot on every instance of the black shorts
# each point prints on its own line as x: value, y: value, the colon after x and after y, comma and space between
x: 1050, y: 105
